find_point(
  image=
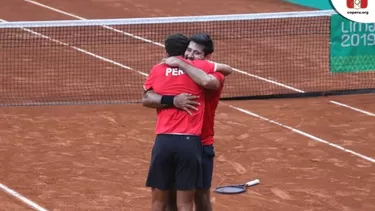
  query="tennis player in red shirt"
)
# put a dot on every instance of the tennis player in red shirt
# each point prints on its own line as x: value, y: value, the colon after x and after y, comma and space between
x: 176, y: 155
x: 200, y: 47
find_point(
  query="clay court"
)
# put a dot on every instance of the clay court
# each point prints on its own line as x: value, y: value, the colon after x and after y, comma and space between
x: 309, y: 153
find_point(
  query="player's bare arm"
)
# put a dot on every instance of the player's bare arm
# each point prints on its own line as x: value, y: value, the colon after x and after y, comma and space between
x: 197, y: 75
x: 200, y: 77
x: 224, y: 68
x: 151, y: 99
x: 182, y: 101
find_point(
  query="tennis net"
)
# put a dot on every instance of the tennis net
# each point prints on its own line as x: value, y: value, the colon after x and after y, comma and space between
x: 107, y: 61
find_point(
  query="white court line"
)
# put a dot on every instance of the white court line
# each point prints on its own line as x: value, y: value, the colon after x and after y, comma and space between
x: 161, y: 45
x: 107, y: 27
x: 372, y: 160
x: 22, y: 198
x: 353, y: 108
x: 80, y: 50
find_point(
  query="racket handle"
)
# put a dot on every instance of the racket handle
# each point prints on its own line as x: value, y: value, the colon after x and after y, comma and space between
x: 254, y: 182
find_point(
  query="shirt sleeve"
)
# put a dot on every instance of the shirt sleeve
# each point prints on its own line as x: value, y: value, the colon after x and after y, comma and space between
x: 150, y: 80
x: 205, y: 65
x: 213, y: 65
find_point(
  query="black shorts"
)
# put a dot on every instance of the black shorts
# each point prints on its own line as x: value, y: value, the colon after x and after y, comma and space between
x: 207, y: 165
x: 176, y: 163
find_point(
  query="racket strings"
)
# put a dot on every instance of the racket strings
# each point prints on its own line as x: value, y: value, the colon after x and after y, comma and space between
x: 231, y: 189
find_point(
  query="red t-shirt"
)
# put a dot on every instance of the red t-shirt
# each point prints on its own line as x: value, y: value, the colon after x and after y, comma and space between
x: 212, y: 100
x: 167, y: 80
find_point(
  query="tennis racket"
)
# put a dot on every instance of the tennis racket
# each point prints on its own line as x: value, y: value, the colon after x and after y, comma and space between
x: 234, y: 189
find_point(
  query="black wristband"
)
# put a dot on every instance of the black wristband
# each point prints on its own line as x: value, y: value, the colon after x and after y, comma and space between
x: 167, y: 101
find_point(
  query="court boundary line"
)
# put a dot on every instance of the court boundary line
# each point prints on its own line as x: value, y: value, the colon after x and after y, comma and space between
x: 161, y: 45
x: 79, y: 49
x: 21, y: 198
x: 236, y: 108
x: 295, y: 130
x: 353, y: 108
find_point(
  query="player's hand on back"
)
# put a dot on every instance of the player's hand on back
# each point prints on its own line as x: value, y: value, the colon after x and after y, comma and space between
x: 172, y: 61
x: 186, y: 102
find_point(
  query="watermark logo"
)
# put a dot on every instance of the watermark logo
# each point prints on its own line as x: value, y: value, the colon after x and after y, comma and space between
x: 356, y: 4
x: 362, y: 11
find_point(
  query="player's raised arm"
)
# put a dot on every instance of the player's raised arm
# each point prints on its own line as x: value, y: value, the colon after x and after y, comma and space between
x: 224, y: 68
x: 199, y: 76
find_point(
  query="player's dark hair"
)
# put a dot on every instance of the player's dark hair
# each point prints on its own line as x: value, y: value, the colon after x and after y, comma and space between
x: 176, y: 44
x: 204, y: 40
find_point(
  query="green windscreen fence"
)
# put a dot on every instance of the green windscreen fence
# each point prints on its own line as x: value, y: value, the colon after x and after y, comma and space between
x: 352, y: 46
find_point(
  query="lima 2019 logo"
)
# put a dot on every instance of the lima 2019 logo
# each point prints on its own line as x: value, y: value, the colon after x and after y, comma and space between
x: 362, y: 11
